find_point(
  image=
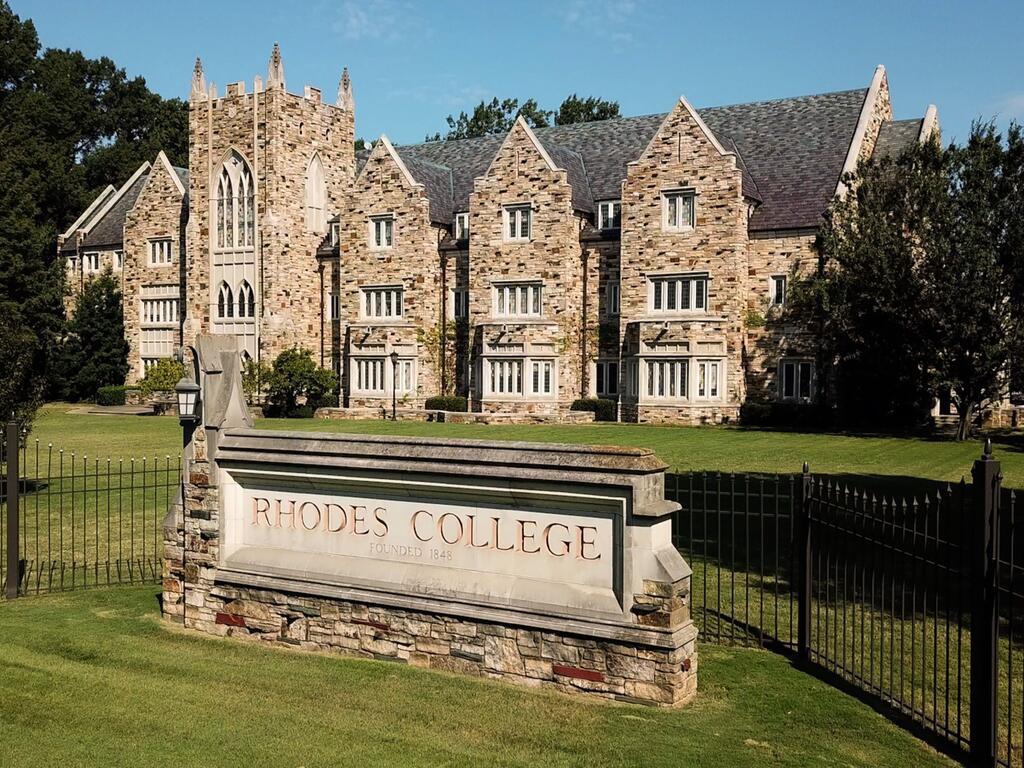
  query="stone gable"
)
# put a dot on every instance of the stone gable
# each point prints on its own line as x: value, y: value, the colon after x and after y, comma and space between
x: 683, y: 156
x: 385, y: 188
x: 158, y: 214
x: 522, y: 173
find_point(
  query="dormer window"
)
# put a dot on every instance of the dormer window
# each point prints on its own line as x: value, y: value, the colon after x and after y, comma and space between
x: 677, y: 210
x: 382, y: 232
x: 517, y: 223
x: 609, y: 215
x: 461, y: 226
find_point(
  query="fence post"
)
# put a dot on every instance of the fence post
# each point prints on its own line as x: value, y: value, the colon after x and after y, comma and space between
x: 984, y: 524
x: 803, y: 555
x: 13, y: 566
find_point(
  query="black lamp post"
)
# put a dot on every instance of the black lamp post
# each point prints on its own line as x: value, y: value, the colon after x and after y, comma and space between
x: 190, y: 409
x: 189, y: 406
x: 394, y: 385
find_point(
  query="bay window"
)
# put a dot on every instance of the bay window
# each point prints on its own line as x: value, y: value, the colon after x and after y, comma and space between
x: 678, y: 293
x: 383, y: 302
x: 517, y: 300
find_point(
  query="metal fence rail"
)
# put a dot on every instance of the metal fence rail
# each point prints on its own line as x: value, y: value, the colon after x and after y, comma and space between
x: 912, y: 595
x: 69, y: 521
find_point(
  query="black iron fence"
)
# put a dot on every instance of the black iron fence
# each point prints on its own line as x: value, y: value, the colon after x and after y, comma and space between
x: 911, y: 597
x: 70, y: 521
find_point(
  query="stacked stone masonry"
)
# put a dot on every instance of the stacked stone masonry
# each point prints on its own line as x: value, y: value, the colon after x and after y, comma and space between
x: 758, y: 176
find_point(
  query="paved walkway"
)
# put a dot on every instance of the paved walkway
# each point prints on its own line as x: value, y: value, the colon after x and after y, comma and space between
x: 114, y: 410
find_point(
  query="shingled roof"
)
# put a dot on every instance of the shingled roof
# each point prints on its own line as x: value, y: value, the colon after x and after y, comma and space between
x: 791, y: 153
x: 894, y: 136
x: 108, y: 231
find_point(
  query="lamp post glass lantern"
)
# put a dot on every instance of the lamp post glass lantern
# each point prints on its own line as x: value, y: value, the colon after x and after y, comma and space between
x: 188, y: 400
x: 394, y: 384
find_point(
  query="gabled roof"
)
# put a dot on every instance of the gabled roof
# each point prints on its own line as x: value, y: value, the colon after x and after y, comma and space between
x: 437, y: 183
x: 894, y: 136
x: 94, y: 206
x: 794, y: 150
x: 108, y: 230
x: 790, y: 151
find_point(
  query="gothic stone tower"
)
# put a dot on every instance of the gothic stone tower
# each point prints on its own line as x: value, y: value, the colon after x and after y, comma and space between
x: 267, y: 170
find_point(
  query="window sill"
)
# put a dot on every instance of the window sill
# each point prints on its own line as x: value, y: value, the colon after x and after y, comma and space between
x: 684, y: 316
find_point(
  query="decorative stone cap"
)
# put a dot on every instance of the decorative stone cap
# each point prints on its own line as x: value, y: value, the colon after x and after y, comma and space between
x: 636, y: 468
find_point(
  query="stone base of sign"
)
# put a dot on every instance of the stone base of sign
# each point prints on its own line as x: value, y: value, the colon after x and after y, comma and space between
x: 615, y: 668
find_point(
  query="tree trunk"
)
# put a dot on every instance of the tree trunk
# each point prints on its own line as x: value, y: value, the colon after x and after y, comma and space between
x: 964, y: 427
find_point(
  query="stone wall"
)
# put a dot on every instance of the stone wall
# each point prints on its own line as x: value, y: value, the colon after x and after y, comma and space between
x: 559, y: 661
x: 775, y: 332
x: 682, y: 156
x: 158, y: 213
x: 520, y: 173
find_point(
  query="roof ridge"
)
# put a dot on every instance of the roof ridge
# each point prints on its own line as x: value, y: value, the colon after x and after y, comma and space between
x: 784, y: 98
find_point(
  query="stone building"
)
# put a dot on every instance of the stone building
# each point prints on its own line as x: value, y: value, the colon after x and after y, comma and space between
x: 642, y: 259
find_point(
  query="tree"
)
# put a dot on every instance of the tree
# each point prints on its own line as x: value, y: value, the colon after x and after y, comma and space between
x: 1011, y: 196
x: 498, y: 117
x: 920, y: 288
x: 588, y: 110
x: 968, y: 289
x: 69, y: 125
x: 163, y: 376
x: 95, y: 353
x: 869, y: 302
x: 296, y: 376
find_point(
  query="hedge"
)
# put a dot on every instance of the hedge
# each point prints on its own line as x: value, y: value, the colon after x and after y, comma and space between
x: 111, y: 395
x: 446, y: 403
x: 603, y: 410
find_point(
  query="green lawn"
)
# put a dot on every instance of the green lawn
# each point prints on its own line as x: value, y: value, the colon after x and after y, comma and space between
x: 725, y: 449
x: 96, y: 678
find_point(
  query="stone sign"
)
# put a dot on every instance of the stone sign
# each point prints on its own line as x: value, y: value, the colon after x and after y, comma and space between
x: 551, y: 565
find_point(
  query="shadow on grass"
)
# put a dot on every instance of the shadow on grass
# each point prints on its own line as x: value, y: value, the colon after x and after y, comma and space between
x: 751, y: 634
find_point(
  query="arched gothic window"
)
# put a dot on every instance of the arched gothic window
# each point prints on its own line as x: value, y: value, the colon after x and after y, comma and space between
x: 225, y: 302
x: 246, y: 300
x: 316, y: 196
x: 236, y: 205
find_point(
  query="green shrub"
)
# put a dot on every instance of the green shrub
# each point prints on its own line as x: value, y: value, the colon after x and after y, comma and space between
x: 295, y: 376
x: 255, y: 376
x: 764, y: 413
x: 111, y: 395
x: 162, y: 377
x: 603, y: 410
x: 446, y: 403
x: 755, y: 413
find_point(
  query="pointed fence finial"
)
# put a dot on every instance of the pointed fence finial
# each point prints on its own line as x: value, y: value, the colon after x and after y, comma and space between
x: 198, y: 82
x: 345, y: 100
x: 275, y: 69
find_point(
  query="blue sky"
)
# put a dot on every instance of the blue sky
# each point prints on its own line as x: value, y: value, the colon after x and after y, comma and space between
x: 414, y: 63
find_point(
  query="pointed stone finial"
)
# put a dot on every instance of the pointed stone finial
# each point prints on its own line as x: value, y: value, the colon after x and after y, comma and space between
x: 275, y: 69
x: 198, y: 82
x: 345, y: 99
